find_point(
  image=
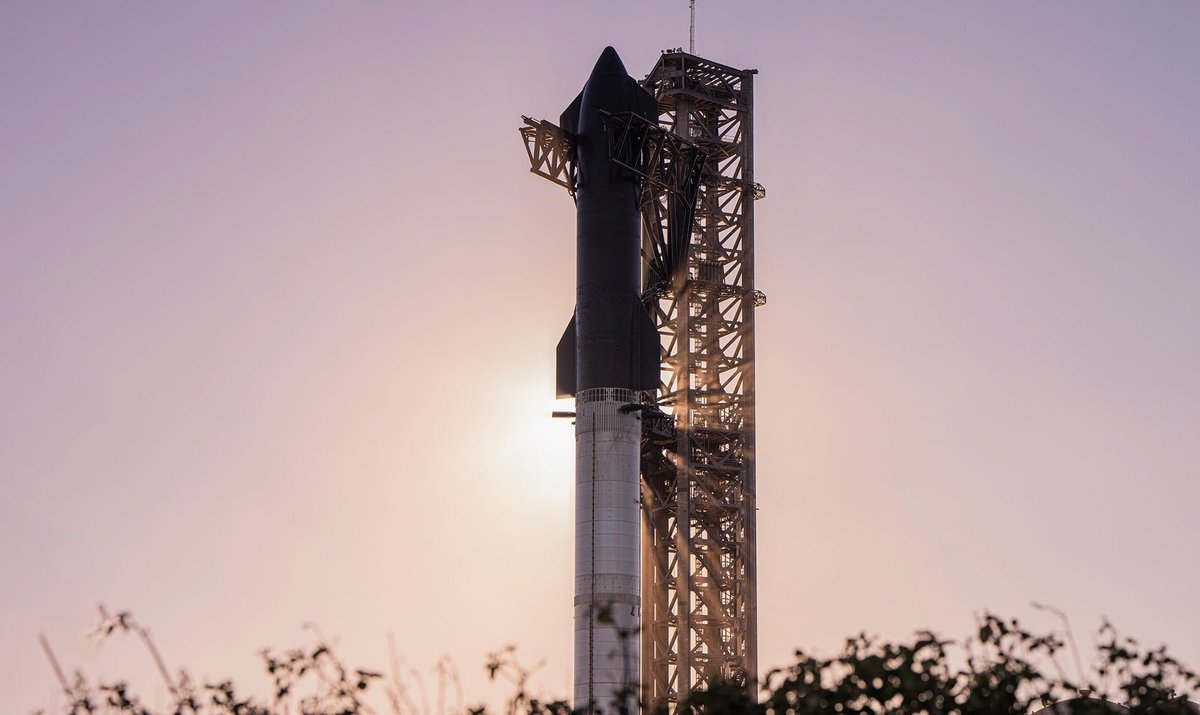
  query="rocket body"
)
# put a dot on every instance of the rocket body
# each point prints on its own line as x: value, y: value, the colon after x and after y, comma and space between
x: 608, y: 355
x: 607, y: 552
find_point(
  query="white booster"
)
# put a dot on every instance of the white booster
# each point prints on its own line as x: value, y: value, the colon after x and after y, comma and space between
x: 607, y: 549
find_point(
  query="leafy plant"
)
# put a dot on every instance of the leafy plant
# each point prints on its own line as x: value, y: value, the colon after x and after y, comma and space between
x: 1001, y: 669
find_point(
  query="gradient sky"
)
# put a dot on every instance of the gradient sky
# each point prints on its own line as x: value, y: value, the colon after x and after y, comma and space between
x: 278, y: 302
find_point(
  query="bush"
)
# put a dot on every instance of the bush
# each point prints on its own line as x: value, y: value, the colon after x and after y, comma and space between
x: 1002, y: 669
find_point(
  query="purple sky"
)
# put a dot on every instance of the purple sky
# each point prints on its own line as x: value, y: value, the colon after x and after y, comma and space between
x: 278, y: 301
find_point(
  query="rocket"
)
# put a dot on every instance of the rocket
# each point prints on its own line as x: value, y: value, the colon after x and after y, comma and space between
x: 608, y: 355
x: 610, y: 341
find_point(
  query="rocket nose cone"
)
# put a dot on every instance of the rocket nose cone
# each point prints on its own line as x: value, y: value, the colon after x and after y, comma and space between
x: 609, y: 63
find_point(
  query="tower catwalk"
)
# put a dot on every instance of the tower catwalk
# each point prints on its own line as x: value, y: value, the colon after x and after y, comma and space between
x: 699, y: 601
x: 663, y: 385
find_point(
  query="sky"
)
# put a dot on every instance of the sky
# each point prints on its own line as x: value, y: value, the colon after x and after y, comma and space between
x: 279, y: 299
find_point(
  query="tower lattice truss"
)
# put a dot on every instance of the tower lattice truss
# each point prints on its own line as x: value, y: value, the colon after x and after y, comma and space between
x: 699, y: 613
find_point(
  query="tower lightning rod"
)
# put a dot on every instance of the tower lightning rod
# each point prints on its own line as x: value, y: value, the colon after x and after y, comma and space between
x: 692, y: 27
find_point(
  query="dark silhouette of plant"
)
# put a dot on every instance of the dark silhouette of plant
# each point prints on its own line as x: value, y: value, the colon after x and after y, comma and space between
x: 504, y: 665
x: 1005, y: 670
x: 1002, y: 669
x: 308, y: 681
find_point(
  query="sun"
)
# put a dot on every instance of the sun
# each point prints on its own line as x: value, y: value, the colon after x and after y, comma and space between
x: 537, y: 450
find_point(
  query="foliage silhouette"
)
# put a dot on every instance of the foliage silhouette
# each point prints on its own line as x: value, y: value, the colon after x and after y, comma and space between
x: 1002, y: 669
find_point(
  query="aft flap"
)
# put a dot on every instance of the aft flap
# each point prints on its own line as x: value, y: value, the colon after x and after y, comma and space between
x: 564, y: 381
x: 647, y: 352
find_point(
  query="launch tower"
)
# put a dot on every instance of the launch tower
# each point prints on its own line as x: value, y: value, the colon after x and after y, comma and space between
x: 699, y: 601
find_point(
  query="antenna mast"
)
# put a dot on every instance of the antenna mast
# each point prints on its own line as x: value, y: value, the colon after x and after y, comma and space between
x: 692, y: 27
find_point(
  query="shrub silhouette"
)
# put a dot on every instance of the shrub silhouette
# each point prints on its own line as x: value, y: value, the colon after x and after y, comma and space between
x: 1001, y: 669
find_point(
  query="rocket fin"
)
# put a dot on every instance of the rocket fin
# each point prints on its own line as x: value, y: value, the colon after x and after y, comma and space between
x: 565, y: 359
x: 649, y: 351
x: 641, y: 101
x: 569, y: 119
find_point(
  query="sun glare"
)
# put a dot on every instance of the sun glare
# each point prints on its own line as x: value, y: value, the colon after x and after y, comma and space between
x: 538, y: 449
